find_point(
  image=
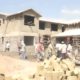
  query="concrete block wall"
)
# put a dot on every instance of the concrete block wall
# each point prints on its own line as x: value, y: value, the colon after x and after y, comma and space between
x: 30, y: 50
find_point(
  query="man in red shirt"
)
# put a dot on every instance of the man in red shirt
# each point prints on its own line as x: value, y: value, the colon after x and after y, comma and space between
x: 39, y: 48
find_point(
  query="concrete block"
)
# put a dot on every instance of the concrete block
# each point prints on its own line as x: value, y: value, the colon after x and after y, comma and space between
x: 50, y: 68
x: 40, y: 68
x: 49, y: 75
x: 8, y: 78
x: 56, y: 66
x: 53, y: 58
x: 53, y: 75
x: 63, y: 66
x: 38, y: 77
x: 69, y: 63
x: 78, y: 76
x: 2, y: 77
x: 68, y: 73
x: 72, y: 78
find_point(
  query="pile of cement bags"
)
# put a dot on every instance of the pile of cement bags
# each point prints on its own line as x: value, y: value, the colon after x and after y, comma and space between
x: 56, y: 69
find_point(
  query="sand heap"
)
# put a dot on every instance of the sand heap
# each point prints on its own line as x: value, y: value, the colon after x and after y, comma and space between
x: 54, y: 69
x: 16, y: 69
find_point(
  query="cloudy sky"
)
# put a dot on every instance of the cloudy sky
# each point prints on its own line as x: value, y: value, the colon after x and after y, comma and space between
x: 56, y: 9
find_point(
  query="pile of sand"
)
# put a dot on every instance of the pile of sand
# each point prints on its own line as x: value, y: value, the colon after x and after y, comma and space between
x: 16, y: 68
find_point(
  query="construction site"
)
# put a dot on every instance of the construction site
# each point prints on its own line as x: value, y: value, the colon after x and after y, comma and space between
x: 31, y: 27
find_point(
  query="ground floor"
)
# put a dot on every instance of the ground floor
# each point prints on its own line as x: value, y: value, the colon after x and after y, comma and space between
x: 29, y: 41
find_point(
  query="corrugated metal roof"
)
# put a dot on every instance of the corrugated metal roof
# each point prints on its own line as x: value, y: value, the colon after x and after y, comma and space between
x: 59, y: 20
x: 71, y: 32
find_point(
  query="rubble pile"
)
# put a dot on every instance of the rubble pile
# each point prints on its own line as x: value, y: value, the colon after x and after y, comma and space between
x: 56, y: 69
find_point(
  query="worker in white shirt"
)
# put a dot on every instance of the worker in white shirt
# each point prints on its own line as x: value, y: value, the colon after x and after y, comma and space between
x: 58, y: 49
x: 63, y: 51
x: 69, y: 50
x: 23, y: 54
x: 7, y: 46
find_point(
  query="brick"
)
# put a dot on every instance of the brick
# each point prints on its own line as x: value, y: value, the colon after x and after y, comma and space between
x: 78, y: 76
x: 38, y: 77
x: 69, y: 63
x: 72, y: 78
x: 2, y: 76
x: 53, y: 75
x: 49, y: 75
x: 68, y: 73
x: 53, y: 58
x: 8, y: 78
x: 56, y: 66
x: 63, y: 66
x: 40, y: 68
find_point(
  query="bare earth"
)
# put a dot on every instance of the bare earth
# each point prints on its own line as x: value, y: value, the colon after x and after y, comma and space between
x: 17, y: 68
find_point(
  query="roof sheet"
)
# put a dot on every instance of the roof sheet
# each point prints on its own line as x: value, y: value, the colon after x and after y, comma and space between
x: 59, y: 20
x: 71, y: 32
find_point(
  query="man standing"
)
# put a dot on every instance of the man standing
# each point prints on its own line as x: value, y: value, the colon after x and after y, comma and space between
x: 39, y: 48
x: 69, y: 50
x: 49, y: 50
x: 63, y: 51
x: 58, y: 49
x: 7, y: 46
x: 23, y: 50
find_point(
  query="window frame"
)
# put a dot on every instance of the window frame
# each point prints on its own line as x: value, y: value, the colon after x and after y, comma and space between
x: 29, y: 20
x: 42, y: 25
x: 54, y: 27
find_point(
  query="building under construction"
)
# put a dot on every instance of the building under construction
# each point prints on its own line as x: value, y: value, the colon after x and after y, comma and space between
x: 30, y: 26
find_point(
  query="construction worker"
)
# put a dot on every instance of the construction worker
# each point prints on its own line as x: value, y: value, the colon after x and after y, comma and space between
x: 49, y: 50
x: 39, y: 48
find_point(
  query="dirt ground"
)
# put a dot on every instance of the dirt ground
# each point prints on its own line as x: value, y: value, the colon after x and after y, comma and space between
x: 15, y: 67
x: 12, y: 66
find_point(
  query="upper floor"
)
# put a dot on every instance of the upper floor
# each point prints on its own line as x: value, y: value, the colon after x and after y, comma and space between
x: 27, y: 20
x: 50, y: 26
x: 31, y: 21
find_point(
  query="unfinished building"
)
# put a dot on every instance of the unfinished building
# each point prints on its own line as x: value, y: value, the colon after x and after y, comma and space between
x: 27, y: 25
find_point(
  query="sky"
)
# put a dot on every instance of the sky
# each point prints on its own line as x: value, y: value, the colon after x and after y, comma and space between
x: 56, y: 9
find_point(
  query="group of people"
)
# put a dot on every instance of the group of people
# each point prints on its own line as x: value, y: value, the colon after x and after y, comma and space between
x: 63, y: 50
x: 40, y: 51
x: 21, y: 48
